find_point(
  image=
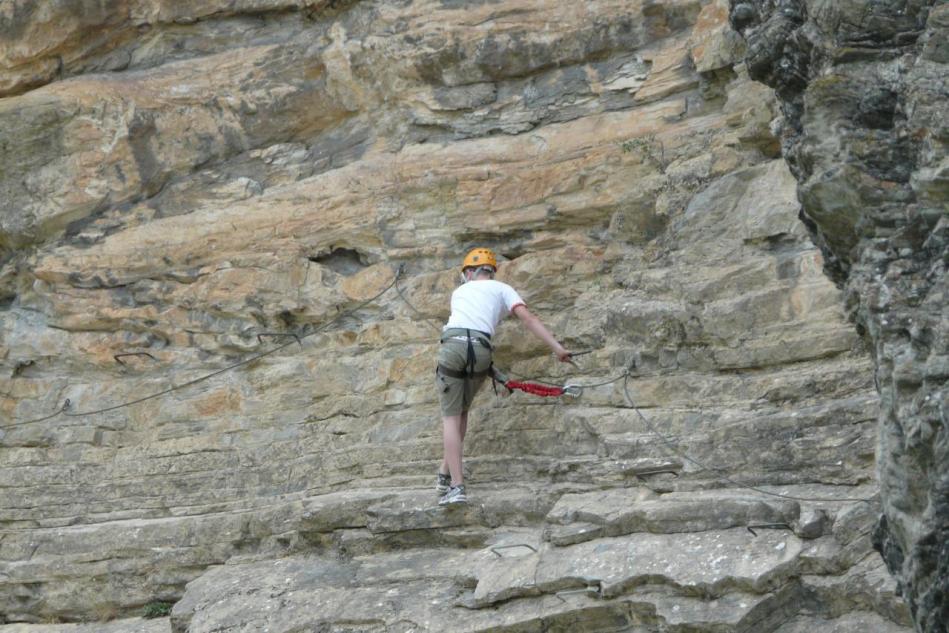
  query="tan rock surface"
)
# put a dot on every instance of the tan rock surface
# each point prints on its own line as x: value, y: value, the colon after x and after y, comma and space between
x: 195, y: 185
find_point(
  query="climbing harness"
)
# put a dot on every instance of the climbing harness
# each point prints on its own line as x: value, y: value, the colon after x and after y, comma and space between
x: 469, y: 373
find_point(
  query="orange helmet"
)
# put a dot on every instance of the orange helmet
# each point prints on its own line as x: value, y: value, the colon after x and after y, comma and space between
x: 480, y: 257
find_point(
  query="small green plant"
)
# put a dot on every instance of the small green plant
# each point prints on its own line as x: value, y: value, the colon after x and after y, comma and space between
x: 157, y: 609
x: 650, y: 147
x: 633, y: 143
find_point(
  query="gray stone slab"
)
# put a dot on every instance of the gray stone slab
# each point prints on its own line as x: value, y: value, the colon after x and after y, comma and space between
x: 865, y: 586
x: 624, y: 511
x: 736, y: 611
x: 849, y: 623
x: 292, y: 595
x: 132, y: 625
x: 710, y: 562
x: 718, y: 581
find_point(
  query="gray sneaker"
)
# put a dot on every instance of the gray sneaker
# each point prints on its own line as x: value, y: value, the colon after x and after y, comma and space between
x: 442, y: 483
x: 455, y: 494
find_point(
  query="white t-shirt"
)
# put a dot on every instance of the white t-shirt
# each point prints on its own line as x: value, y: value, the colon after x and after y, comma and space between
x: 480, y: 305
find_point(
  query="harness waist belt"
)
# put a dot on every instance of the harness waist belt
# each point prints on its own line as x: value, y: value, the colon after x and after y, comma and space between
x: 461, y: 331
x: 454, y: 373
x: 464, y: 339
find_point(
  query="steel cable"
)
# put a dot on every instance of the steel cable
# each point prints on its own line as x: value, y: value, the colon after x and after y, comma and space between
x: 64, y: 409
x: 719, y: 476
x: 395, y: 283
x: 665, y: 440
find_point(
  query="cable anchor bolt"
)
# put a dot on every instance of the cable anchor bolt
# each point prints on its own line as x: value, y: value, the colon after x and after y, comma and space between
x: 117, y: 357
x: 500, y: 547
x: 768, y: 526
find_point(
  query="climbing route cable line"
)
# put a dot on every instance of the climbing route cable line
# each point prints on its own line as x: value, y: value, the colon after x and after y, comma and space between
x: 718, y: 474
x: 64, y: 410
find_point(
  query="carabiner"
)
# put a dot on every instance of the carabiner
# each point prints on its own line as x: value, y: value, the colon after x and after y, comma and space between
x: 573, y: 391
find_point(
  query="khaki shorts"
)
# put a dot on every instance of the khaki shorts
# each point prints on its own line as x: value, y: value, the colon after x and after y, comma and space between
x: 453, y: 396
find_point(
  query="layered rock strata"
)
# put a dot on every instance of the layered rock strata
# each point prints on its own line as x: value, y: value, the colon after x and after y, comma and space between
x: 188, y: 187
x: 863, y: 88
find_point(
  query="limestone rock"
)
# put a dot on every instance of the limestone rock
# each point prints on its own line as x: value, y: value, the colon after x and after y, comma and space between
x: 863, y: 89
x: 850, y: 623
x: 131, y: 625
x: 613, y: 513
x: 707, y: 563
x: 714, y: 44
x: 228, y: 235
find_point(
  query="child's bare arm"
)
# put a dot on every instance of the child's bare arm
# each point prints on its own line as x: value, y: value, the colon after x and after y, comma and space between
x: 534, y: 324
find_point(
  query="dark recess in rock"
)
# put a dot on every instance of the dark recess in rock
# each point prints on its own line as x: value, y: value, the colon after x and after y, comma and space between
x: 345, y: 261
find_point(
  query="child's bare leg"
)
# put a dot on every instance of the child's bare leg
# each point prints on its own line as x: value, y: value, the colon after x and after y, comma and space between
x: 452, y: 437
x: 462, y: 430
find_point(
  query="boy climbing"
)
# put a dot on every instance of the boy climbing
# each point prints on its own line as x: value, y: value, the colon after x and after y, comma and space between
x: 464, y: 358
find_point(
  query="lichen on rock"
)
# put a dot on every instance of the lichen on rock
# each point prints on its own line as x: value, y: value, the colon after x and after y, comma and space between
x: 863, y: 89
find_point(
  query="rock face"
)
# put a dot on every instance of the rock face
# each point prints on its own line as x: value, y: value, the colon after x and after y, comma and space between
x: 205, y: 209
x: 863, y: 89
